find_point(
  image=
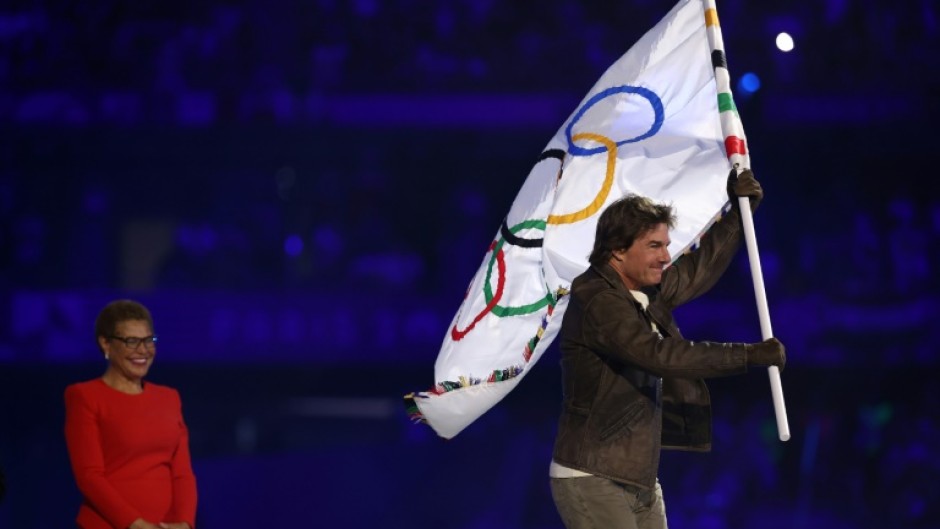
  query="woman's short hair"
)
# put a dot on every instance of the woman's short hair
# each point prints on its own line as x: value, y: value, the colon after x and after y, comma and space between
x: 118, y: 311
x: 624, y: 221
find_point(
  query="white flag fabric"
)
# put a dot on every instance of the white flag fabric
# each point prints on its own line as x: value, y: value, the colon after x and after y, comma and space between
x: 650, y: 126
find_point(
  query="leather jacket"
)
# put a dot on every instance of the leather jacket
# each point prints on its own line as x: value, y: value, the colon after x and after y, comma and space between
x: 630, y: 391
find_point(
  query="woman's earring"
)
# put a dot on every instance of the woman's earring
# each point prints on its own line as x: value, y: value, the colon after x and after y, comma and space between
x: 106, y: 357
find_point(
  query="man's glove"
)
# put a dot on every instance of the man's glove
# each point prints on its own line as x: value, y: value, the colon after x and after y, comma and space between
x: 744, y: 185
x: 770, y: 352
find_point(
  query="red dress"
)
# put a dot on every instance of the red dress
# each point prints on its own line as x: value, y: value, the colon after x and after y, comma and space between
x: 130, y: 455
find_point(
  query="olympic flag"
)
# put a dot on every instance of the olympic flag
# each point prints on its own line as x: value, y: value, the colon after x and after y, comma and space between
x: 652, y: 125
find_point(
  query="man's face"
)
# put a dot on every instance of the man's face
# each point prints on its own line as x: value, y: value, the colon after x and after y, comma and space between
x: 641, y: 265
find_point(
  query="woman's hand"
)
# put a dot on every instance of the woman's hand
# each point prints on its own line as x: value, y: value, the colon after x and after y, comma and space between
x: 140, y: 523
x: 178, y: 525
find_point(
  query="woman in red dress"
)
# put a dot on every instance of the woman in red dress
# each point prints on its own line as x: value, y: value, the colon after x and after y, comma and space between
x: 127, y: 441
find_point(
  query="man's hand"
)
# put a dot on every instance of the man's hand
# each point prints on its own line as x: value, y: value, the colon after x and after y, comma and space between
x: 770, y: 352
x: 744, y: 185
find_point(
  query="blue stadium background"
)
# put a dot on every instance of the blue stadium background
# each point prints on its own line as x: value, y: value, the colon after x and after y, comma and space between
x: 301, y: 191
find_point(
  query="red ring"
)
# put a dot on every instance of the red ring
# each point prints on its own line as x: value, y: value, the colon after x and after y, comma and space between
x: 456, y: 334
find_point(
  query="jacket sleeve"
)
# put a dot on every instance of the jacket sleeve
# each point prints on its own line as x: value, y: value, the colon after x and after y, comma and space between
x: 184, y: 480
x: 614, y: 328
x: 83, y: 440
x: 696, y: 272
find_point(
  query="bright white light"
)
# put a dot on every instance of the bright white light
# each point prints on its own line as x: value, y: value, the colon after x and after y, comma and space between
x: 784, y: 42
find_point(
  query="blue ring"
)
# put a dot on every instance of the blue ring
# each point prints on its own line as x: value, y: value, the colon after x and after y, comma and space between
x: 650, y: 96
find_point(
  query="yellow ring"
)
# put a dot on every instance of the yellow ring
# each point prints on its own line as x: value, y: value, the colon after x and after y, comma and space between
x: 601, y: 197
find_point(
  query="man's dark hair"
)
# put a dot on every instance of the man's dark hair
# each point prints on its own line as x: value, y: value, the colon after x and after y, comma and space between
x: 118, y: 311
x: 625, y: 220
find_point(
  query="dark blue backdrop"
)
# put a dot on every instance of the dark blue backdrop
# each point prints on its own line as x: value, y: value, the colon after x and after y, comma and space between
x: 300, y: 191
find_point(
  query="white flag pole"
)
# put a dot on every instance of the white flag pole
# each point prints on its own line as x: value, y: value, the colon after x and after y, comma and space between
x: 776, y: 387
x: 733, y: 131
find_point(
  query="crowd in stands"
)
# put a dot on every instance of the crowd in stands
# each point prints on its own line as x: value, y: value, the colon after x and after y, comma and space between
x: 225, y: 62
x: 170, y: 146
x: 145, y: 65
x: 375, y: 220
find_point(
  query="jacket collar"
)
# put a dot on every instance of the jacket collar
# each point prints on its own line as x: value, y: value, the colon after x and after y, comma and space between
x: 610, y: 275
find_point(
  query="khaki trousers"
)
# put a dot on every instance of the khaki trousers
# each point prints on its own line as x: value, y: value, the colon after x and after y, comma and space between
x: 592, y: 502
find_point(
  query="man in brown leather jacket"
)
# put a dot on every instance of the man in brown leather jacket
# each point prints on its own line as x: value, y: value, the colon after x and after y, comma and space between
x: 632, y: 384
